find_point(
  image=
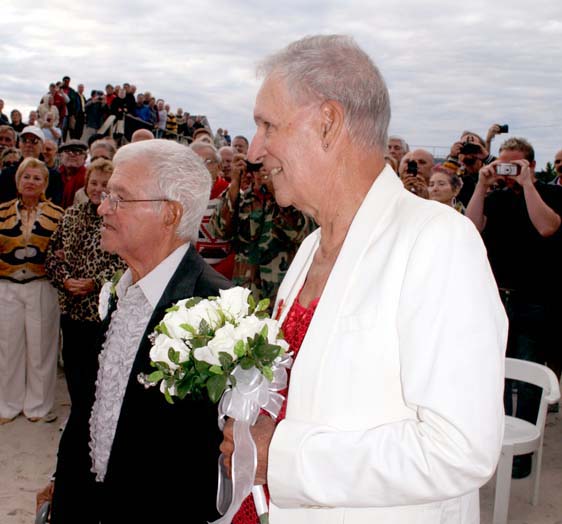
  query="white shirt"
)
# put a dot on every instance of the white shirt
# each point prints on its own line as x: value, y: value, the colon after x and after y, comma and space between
x: 136, y: 303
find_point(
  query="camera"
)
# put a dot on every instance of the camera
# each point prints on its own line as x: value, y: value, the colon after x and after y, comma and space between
x: 412, y: 168
x: 470, y: 148
x: 504, y: 129
x: 253, y: 168
x: 507, y: 169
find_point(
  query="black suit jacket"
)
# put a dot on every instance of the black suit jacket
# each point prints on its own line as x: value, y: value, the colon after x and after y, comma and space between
x: 163, y: 463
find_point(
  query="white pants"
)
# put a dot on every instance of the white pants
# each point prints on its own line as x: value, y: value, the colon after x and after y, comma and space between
x: 29, y: 342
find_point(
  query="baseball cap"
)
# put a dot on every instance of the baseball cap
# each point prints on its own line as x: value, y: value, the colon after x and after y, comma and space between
x: 33, y: 130
x: 73, y: 145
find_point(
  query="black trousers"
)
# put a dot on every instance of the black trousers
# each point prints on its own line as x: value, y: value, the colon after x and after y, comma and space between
x: 80, y: 350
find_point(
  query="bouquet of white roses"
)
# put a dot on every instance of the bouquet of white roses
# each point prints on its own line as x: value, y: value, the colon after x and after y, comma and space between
x: 228, y: 348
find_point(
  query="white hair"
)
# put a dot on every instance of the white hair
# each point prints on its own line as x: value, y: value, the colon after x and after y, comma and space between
x: 180, y: 176
x: 333, y: 67
x: 403, y: 144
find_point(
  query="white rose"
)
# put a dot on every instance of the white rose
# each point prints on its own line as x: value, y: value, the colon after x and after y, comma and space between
x: 103, y: 305
x: 223, y: 342
x: 204, y: 310
x: 192, y: 316
x: 161, y: 346
x: 234, y: 301
x: 249, y: 327
x: 173, y: 320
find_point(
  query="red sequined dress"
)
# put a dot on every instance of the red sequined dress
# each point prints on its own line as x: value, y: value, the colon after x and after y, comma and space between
x: 295, y: 327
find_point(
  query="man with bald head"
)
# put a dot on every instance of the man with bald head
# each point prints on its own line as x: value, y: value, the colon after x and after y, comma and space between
x: 415, y: 170
x: 141, y: 134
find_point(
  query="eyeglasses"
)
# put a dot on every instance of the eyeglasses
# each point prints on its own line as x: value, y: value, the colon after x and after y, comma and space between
x: 30, y: 140
x: 74, y: 152
x: 114, y: 201
x: 208, y: 161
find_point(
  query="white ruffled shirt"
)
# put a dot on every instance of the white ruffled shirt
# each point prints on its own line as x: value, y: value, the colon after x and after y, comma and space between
x: 136, y: 303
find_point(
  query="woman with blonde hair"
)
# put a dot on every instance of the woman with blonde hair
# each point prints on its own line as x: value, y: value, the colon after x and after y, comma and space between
x: 29, y: 335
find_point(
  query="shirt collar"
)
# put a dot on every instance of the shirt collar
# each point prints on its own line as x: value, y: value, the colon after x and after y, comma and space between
x: 154, y: 284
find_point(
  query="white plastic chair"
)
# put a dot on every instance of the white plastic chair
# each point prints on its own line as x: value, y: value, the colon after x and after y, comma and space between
x: 522, y: 437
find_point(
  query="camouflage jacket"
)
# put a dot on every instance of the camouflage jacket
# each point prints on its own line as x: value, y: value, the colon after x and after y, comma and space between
x: 264, y: 236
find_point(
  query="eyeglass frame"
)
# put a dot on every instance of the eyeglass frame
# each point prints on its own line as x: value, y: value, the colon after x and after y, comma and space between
x: 34, y: 140
x: 114, y: 201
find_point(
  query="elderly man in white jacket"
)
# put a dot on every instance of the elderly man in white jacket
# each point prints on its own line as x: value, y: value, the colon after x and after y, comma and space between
x: 394, y: 410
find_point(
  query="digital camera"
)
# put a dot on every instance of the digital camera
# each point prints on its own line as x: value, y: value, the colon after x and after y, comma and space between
x: 412, y: 167
x: 470, y: 148
x: 507, y: 169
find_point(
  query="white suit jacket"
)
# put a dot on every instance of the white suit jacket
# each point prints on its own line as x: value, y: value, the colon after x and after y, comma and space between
x: 395, y: 411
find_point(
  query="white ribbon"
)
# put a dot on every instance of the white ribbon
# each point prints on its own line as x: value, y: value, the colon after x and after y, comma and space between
x: 242, y: 403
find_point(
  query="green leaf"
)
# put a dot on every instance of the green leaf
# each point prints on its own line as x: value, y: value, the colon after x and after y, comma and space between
x: 172, y: 308
x: 161, y: 328
x: 240, y: 349
x: 189, y: 328
x: 168, y: 397
x: 201, y: 366
x: 251, y: 303
x: 263, y: 305
x: 155, y: 376
x: 225, y: 359
x: 116, y: 277
x: 267, y: 373
x: 174, y: 356
x: 264, y: 331
x: 267, y: 353
x: 192, y: 302
x: 215, y: 387
x: 204, y: 327
x: 247, y: 363
x: 217, y: 370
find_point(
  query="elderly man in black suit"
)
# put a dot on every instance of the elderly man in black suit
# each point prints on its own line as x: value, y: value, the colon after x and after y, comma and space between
x: 129, y: 457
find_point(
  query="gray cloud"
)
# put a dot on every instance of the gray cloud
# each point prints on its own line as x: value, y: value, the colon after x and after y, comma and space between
x: 449, y: 66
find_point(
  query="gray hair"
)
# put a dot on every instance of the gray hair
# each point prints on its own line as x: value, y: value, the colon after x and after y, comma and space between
x: 333, y: 67
x: 180, y: 176
x: 403, y: 144
x: 110, y: 149
x: 198, y: 146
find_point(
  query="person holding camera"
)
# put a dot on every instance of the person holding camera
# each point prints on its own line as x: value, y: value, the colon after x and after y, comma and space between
x: 264, y: 236
x: 519, y: 218
x: 468, y: 155
x: 415, y: 170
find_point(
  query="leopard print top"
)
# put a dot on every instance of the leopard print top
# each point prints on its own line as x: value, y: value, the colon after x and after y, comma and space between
x: 75, y: 252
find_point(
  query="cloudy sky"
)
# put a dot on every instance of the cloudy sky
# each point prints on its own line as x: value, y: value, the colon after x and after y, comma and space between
x: 449, y: 65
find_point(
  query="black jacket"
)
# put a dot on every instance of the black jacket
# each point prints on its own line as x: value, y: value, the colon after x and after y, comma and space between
x: 163, y: 463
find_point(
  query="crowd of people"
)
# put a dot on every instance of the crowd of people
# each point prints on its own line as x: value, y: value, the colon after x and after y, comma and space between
x: 88, y: 193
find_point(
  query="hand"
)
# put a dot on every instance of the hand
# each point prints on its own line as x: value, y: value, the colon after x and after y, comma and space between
x: 238, y: 169
x: 416, y: 184
x: 455, y: 149
x: 45, y: 495
x: 262, y: 433
x: 524, y: 177
x: 492, y: 132
x: 487, y: 175
x: 79, y: 286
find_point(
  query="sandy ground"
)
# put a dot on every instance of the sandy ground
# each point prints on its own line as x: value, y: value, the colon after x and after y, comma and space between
x: 28, y: 452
